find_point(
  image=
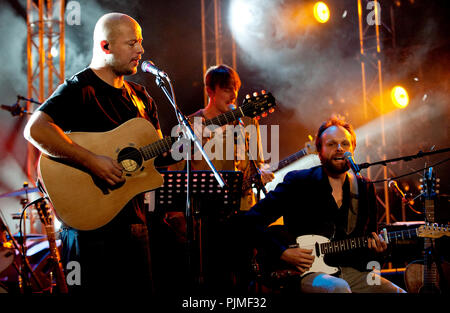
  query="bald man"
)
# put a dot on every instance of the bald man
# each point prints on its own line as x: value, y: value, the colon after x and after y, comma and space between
x: 98, y: 99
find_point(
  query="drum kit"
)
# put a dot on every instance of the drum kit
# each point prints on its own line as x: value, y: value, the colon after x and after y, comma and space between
x: 23, y: 257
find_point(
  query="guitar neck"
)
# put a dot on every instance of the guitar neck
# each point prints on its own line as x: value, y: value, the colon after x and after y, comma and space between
x: 282, y: 164
x: 429, y: 210
x: 289, y: 160
x: 363, y: 242
x: 54, y: 253
x: 429, y: 267
x: 226, y: 118
x: 157, y: 148
x: 52, y: 242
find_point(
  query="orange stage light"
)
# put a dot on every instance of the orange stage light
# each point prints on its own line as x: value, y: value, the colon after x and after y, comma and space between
x: 399, y: 97
x: 321, y: 12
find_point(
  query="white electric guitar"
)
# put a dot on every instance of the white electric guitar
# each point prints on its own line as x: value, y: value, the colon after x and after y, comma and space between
x: 322, y: 246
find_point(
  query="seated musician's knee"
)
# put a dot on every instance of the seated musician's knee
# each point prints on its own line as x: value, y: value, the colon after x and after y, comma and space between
x: 324, y: 283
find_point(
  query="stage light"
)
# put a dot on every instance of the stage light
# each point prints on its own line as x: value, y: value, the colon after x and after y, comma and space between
x: 399, y: 97
x: 242, y: 14
x: 54, y: 52
x: 321, y: 12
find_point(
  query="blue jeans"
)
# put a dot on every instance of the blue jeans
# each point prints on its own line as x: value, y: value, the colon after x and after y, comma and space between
x: 350, y: 280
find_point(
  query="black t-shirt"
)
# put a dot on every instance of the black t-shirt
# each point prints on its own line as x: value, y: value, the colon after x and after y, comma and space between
x: 85, y: 103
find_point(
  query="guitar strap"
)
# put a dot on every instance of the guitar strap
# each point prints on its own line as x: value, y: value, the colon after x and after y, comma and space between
x: 136, y: 100
x: 354, y: 202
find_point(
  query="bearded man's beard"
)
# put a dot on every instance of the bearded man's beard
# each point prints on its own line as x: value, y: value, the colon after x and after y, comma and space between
x: 335, y: 168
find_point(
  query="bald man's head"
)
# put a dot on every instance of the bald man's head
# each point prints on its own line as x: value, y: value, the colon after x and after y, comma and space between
x: 117, y: 43
x: 110, y: 26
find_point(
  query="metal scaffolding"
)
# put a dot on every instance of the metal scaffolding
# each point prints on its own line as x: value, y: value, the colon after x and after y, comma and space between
x: 372, y: 83
x: 45, y: 48
x: 218, y: 45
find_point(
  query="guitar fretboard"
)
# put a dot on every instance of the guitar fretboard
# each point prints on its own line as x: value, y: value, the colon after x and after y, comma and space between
x: 252, y: 107
x: 290, y: 159
x: 362, y: 242
x: 225, y: 118
x: 157, y: 148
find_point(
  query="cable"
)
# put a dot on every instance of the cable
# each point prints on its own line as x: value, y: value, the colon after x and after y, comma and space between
x: 22, y: 239
x: 414, y: 172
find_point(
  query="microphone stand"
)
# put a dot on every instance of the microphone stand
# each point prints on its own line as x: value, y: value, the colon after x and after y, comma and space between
x: 258, y: 179
x: 17, y: 109
x: 189, y: 134
x: 420, y: 154
x: 258, y: 182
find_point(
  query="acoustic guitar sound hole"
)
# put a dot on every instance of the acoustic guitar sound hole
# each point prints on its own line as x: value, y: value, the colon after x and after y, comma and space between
x: 130, y: 159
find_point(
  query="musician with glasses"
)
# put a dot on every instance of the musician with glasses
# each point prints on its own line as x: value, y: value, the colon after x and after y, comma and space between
x: 326, y: 200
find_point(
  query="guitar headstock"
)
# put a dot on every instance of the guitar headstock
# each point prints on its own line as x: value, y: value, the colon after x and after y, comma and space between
x: 310, y: 146
x: 433, y: 230
x: 258, y: 104
x: 44, y: 211
x: 429, y: 183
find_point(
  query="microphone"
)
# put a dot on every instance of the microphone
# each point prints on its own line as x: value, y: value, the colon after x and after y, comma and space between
x: 149, y: 67
x: 14, y: 109
x: 351, y: 163
x: 233, y: 107
x: 393, y: 184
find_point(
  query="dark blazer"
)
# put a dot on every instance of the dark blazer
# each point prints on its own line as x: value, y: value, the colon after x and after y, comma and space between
x: 305, y: 201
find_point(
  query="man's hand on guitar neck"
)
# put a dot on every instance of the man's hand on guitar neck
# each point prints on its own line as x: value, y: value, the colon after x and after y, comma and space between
x: 298, y: 257
x: 377, y: 244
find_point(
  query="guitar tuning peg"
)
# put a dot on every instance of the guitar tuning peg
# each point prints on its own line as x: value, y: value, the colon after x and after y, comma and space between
x: 438, y: 180
x: 255, y: 94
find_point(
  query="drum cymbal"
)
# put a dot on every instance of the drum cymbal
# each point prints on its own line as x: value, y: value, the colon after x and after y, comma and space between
x: 19, y: 192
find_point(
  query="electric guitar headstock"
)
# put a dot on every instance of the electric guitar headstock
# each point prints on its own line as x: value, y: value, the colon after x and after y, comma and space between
x: 433, y: 230
x: 310, y: 146
x: 429, y: 184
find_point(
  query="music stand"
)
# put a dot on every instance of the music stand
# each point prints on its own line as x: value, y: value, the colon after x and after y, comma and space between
x: 207, y: 197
